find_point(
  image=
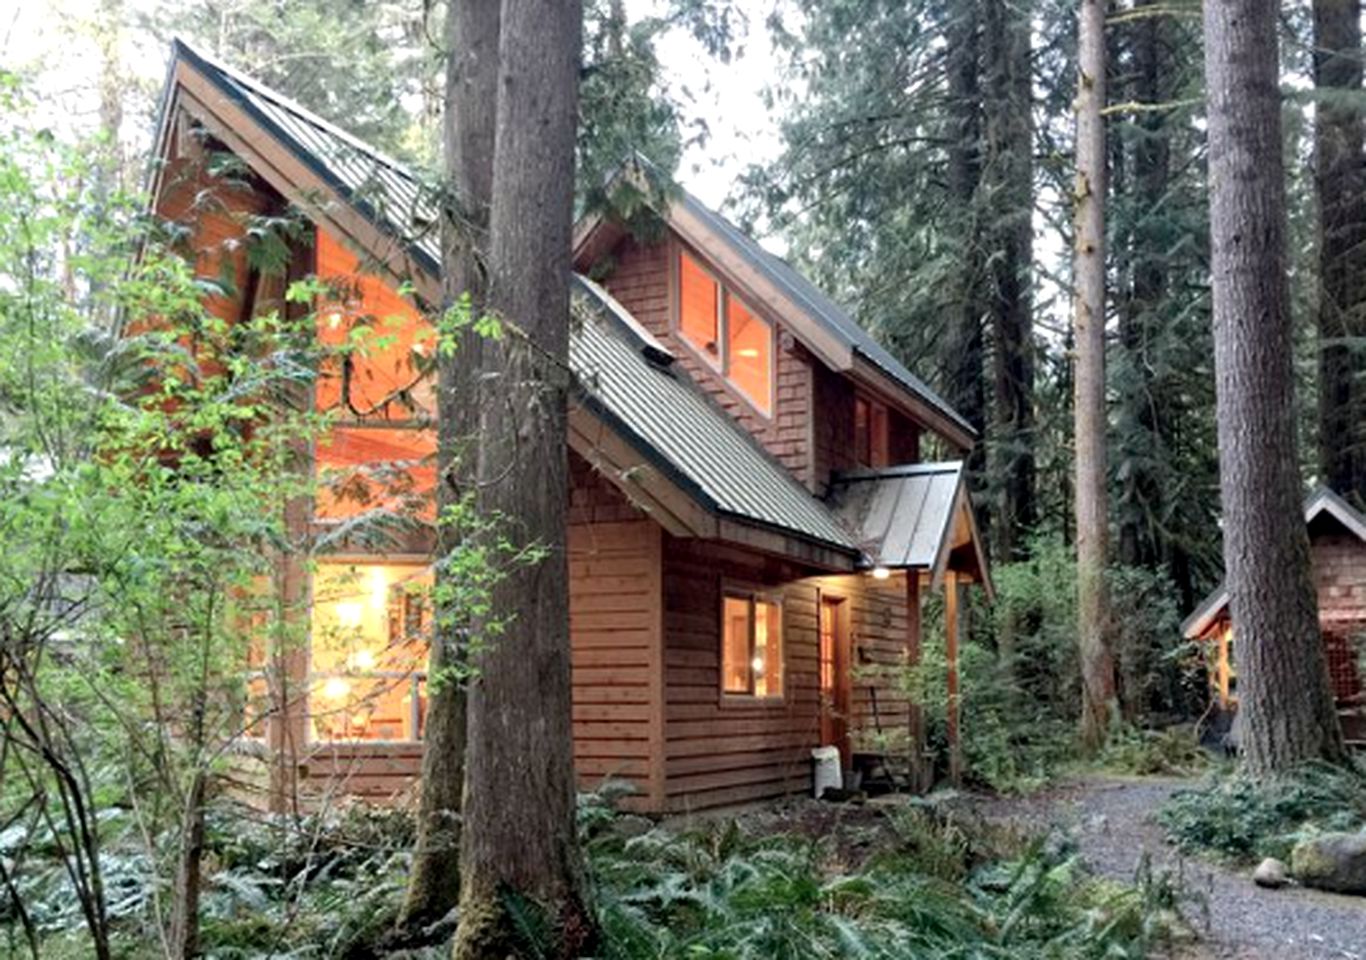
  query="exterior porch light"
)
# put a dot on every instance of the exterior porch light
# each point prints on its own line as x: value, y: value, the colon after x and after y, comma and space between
x: 881, y: 573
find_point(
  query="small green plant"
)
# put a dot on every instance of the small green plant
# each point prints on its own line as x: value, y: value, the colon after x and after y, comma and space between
x: 1173, y: 751
x: 1241, y: 819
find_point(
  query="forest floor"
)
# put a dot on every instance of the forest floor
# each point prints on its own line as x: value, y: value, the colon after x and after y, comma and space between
x: 1111, y: 820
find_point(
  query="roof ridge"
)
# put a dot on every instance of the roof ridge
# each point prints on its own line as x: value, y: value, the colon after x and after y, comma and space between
x: 279, y: 99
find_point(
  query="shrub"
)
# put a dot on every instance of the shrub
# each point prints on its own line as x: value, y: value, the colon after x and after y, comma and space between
x: 1244, y: 820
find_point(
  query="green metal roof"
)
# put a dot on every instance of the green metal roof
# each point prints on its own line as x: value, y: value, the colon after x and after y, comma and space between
x: 625, y: 375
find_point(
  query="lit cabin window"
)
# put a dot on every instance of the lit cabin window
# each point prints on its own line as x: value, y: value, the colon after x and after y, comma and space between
x: 699, y: 308
x: 368, y: 649
x: 726, y: 332
x: 751, y: 646
x: 749, y: 360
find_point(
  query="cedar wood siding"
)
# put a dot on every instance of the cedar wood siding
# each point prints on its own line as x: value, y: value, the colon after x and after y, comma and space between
x: 1339, y: 573
x: 728, y: 751
x: 1339, y: 560
x: 642, y: 280
x: 615, y: 628
x: 833, y: 429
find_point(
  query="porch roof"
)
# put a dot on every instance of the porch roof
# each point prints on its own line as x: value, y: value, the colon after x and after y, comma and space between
x: 1323, y: 502
x: 912, y: 517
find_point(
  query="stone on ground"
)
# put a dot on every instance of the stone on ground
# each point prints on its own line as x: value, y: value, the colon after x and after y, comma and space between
x: 1270, y: 873
x: 1331, y: 861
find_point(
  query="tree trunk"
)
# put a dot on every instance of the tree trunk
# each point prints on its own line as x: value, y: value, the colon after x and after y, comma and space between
x: 1341, y: 186
x: 963, y: 354
x: 183, y: 942
x: 1093, y: 613
x: 468, y: 136
x: 1009, y: 173
x: 519, y: 850
x: 1142, y: 494
x: 1285, y: 698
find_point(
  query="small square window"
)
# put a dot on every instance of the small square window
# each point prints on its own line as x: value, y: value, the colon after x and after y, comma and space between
x: 751, y: 647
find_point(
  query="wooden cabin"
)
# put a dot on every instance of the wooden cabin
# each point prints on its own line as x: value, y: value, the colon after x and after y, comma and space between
x: 1337, y: 541
x: 752, y: 529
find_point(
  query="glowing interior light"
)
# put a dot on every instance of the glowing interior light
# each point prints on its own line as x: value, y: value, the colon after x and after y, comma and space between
x: 364, y: 660
x: 749, y: 353
x: 881, y: 573
x: 758, y: 664
x: 336, y: 688
x: 379, y: 588
x: 349, y: 614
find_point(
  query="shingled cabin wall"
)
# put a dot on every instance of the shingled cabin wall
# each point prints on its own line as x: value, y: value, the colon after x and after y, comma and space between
x: 1339, y: 560
x: 641, y: 280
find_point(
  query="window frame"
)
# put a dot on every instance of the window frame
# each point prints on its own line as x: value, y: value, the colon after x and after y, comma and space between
x: 731, y: 590
x: 721, y: 364
x: 415, y: 679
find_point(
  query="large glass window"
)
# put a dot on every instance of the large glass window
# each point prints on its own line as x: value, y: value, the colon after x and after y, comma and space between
x: 699, y: 308
x: 751, y: 646
x: 729, y: 335
x: 370, y: 634
x: 749, y: 354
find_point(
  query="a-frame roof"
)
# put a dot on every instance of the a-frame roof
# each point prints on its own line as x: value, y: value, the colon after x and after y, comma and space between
x: 647, y: 427
x: 1320, y: 504
x: 821, y: 324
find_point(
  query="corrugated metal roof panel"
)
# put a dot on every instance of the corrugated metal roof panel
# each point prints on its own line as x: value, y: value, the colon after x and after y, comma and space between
x: 681, y: 424
x: 901, y: 515
x: 622, y: 369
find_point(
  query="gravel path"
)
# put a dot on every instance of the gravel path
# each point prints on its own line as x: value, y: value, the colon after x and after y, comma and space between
x: 1111, y: 819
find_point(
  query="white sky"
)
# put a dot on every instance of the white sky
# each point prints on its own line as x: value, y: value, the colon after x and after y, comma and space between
x: 49, y: 39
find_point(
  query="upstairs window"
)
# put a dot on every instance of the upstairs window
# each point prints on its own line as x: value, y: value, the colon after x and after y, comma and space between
x: 751, y: 646
x: 871, y: 447
x: 730, y: 336
x: 749, y: 354
x: 699, y: 309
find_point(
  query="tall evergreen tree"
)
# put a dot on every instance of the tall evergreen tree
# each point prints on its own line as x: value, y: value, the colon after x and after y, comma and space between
x: 472, y: 28
x: 1093, y: 613
x: 1285, y: 699
x: 1009, y: 150
x: 519, y: 850
x: 1340, y: 182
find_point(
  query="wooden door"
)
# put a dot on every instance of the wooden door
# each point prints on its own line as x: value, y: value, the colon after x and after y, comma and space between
x: 835, y: 680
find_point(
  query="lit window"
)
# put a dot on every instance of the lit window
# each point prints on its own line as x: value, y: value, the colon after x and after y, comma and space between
x: 699, y: 313
x: 368, y: 650
x: 751, y: 647
x: 749, y: 350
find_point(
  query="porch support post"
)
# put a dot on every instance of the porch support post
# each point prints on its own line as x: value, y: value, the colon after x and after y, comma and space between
x: 920, y: 779
x: 951, y: 625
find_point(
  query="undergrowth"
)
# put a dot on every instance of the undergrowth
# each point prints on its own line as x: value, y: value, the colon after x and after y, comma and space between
x: 805, y: 881
x: 1236, y: 818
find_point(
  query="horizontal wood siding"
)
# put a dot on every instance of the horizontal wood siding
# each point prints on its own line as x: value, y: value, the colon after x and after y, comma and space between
x: 615, y: 626
x: 641, y: 279
x: 724, y: 752
x: 877, y: 627
x: 720, y: 753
